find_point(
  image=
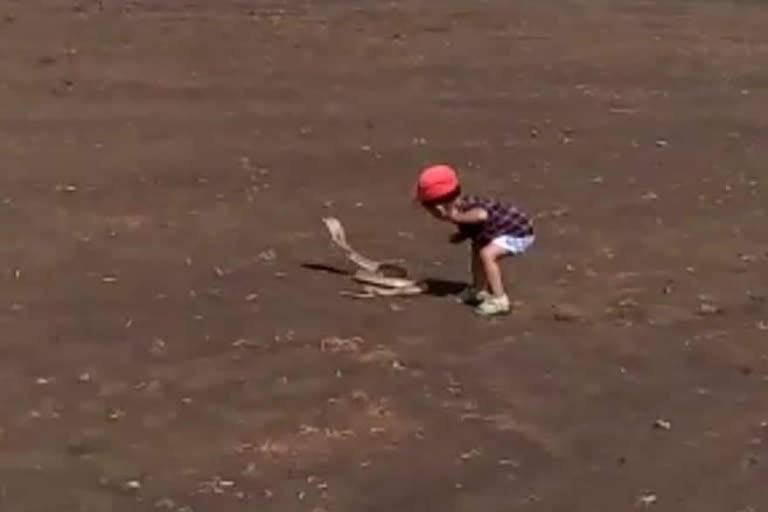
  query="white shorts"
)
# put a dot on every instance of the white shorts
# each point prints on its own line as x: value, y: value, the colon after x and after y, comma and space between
x: 514, y: 244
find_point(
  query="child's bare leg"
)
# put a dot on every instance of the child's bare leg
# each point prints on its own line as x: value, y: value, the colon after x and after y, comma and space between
x: 477, y: 291
x: 489, y: 258
x: 479, y: 282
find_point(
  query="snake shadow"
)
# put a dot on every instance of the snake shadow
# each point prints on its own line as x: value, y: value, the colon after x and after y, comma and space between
x: 434, y: 286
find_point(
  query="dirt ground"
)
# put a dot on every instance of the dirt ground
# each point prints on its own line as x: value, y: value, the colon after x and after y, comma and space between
x: 167, y: 345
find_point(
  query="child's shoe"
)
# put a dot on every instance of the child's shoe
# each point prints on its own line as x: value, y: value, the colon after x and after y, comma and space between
x: 472, y: 296
x: 493, y: 306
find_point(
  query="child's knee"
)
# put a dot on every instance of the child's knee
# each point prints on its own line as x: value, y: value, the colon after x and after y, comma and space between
x: 488, y: 254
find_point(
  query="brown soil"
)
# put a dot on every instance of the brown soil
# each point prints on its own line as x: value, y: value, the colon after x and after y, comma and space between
x: 165, y: 165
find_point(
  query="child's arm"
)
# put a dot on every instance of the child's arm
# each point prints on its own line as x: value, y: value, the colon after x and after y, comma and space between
x: 473, y: 216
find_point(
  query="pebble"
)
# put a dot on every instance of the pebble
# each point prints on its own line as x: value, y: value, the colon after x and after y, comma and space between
x: 132, y: 485
x: 707, y: 309
x: 646, y: 500
x: 165, y: 503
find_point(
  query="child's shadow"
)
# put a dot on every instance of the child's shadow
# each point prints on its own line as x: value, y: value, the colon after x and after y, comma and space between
x: 434, y: 287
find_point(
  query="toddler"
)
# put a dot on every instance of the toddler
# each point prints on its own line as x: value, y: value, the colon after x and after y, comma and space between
x: 495, y: 229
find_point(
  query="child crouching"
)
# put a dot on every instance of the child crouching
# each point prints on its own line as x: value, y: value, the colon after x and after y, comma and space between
x: 495, y: 229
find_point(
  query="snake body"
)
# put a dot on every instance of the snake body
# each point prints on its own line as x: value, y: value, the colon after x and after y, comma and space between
x: 379, y: 278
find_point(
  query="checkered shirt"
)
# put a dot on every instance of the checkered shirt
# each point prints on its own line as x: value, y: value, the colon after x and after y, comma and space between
x: 503, y: 219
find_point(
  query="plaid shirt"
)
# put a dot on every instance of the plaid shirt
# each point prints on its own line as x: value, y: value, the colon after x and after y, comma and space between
x: 503, y: 219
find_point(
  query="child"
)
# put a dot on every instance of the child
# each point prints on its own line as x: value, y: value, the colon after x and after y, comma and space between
x: 495, y: 229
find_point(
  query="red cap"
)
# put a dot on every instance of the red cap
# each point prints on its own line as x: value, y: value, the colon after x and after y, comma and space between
x: 435, y: 182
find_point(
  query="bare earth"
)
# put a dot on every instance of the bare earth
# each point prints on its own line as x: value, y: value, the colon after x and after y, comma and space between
x: 169, y: 342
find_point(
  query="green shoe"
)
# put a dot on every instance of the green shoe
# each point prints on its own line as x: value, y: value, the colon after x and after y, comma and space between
x: 492, y: 306
x: 470, y: 295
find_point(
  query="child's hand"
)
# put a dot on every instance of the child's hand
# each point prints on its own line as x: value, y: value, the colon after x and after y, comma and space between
x: 445, y: 212
x: 451, y: 213
x: 437, y: 211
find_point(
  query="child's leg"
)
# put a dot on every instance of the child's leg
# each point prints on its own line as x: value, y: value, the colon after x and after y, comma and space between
x: 477, y: 291
x: 489, y: 257
x: 479, y: 282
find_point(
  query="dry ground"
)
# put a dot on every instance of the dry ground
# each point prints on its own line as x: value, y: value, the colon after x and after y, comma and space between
x: 165, y: 165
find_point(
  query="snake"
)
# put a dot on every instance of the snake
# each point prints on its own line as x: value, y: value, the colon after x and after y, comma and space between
x: 385, y: 278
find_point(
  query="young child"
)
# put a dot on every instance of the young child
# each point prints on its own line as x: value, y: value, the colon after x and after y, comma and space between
x: 495, y: 229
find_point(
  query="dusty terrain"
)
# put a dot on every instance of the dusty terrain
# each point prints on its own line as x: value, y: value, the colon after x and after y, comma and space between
x: 165, y: 346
